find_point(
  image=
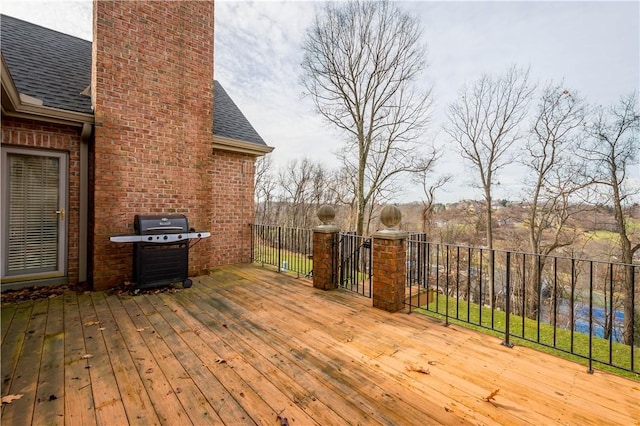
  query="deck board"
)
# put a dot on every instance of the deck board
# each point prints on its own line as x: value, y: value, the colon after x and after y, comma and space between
x: 108, y: 405
x: 318, y: 342
x: 217, y: 404
x: 78, y: 397
x: 25, y: 376
x: 50, y: 393
x: 246, y: 344
x: 165, y: 379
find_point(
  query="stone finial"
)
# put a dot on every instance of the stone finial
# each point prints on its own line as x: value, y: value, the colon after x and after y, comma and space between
x: 390, y: 216
x: 326, y: 214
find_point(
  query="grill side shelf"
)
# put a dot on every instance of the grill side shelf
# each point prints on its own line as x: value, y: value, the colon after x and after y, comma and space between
x: 158, y: 238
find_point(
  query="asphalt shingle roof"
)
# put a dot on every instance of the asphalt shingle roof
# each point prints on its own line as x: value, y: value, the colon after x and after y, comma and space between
x: 46, y: 64
x: 56, y: 67
x: 229, y: 121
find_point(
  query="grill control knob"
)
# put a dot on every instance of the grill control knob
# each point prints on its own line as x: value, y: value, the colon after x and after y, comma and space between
x: 166, y: 237
x: 179, y: 237
x: 199, y: 235
x: 150, y: 238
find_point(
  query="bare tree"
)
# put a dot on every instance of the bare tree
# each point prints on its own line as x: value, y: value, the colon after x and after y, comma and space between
x: 485, y: 122
x: 302, y: 190
x: 265, y: 186
x: 611, y: 151
x: 556, y: 178
x: 430, y: 185
x: 360, y: 62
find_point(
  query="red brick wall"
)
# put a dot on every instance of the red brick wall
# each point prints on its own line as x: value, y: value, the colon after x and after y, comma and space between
x: 27, y: 133
x: 233, y: 208
x: 153, y: 94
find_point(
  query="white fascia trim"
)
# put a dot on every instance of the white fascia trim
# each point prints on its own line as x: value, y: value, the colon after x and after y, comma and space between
x: 16, y: 104
x: 227, y: 144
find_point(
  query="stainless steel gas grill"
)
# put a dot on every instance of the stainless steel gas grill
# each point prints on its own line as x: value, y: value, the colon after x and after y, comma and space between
x: 161, y: 249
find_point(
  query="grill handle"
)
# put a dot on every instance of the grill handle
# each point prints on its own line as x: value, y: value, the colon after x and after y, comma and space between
x: 164, y: 228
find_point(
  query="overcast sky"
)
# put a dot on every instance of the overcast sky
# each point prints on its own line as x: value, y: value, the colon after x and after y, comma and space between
x: 593, y: 46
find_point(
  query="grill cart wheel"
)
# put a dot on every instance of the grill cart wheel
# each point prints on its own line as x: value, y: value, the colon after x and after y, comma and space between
x: 187, y: 283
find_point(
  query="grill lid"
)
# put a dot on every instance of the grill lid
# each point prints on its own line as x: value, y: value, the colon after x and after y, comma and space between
x: 160, y: 224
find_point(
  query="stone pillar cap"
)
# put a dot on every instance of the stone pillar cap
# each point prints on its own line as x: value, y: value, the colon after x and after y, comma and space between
x: 326, y: 229
x: 390, y: 234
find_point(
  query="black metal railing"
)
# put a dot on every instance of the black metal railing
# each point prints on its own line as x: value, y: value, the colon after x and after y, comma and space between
x: 355, y: 255
x: 288, y: 249
x: 586, y: 308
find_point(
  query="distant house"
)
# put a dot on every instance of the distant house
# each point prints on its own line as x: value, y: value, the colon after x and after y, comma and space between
x: 133, y: 123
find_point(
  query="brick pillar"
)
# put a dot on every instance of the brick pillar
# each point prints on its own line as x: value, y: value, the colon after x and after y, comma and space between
x: 325, y: 250
x: 389, y: 270
x: 325, y: 257
x: 389, y: 263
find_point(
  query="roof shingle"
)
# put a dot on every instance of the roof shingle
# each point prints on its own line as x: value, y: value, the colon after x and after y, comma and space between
x: 229, y: 121
x: 56, y: 67
x: 47, y: 64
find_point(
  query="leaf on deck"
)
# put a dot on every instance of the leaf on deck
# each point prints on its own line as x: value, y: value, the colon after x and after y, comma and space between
x: 221, y: 361
x: 90, y: 323
x: 492, y: 395
x: 8, y: 399
x: 419, y: 370
x: 283, y: 420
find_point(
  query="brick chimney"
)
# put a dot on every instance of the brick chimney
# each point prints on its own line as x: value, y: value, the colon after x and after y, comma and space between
x: 152, y: 88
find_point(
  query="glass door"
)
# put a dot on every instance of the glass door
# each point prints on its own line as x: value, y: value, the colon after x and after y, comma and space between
x: 33, y: 214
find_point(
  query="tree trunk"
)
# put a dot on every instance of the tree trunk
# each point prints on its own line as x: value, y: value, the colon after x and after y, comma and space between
x: 489, y: 233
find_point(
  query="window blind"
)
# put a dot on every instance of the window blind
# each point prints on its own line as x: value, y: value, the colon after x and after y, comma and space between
x: 33, y: 221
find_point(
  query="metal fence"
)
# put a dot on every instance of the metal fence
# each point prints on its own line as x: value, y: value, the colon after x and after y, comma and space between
x: 288, y: 249
x: 355, y: 256
x: 586, y: 308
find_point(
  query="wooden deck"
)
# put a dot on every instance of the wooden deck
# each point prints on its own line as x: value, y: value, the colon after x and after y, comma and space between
x: 249, y: 346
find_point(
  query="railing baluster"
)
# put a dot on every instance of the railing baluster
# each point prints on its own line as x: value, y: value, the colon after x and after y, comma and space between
x: 446, y: 292
x: 538, y: 284
x: 469, y: 261
x: 590, y: 371
x: 507, y: 302
x: 523, y: 291
x: 633, y: 309
x: 610, y: 321
x: 555, y: 300
x: 573, y: 299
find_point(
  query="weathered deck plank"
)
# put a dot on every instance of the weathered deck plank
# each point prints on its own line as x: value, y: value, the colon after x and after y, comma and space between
x: 50, y: 393
x: 134, y: 397
x: 6, y: 315
x: 344, y: 333
x: 216, y: 404
x: 79, y: 409
x: 25, y: 376
x: 267, y: 360
x: 272, y: 400
x: 167, y: 383
x: 388, y: 402
x: 245, y: 345
x: 108, y: 405
x: 12, y: 343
